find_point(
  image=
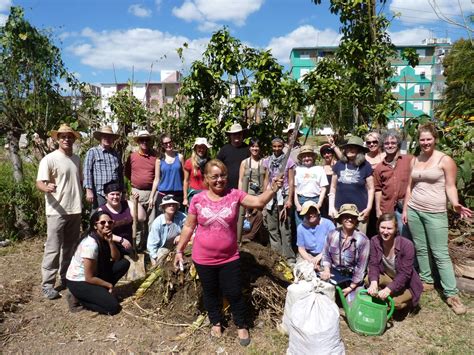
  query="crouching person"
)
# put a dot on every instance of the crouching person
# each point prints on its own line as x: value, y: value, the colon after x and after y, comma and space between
x: 165, y: 230
x: 391, y: 270
x: 95, y: 268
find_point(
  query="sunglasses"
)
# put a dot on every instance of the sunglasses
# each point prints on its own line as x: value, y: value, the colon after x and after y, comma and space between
x: 103, y: 223
x: 167, y: 143
x: 216, y: 177
x: 167, y: 198
x: 371, y: 142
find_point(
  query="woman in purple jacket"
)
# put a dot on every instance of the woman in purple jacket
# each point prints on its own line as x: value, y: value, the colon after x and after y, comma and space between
x: 391, y: 270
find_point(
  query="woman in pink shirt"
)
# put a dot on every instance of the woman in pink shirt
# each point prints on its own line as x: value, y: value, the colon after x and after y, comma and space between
x: 215, y: 253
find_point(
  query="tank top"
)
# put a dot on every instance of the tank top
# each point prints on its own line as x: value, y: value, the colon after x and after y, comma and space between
x: 171, y: 175
x: 429, y: 189
x: 255, y: 175
x: 122, y: 221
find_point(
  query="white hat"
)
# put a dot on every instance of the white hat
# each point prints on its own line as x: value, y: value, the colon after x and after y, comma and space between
x: 235, y: 128
x: 168, y: 200
x: 291, y: 127
x: 143, y: 134
x: 201, y: 141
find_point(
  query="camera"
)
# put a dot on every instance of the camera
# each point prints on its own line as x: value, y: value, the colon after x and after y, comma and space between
x: 254, y: 187
x: 344, y: 270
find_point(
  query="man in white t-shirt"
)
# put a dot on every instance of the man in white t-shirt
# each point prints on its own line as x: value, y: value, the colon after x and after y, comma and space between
x: 59, y: 177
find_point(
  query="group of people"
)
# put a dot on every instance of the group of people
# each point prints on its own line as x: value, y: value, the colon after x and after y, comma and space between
x: 323, y: 214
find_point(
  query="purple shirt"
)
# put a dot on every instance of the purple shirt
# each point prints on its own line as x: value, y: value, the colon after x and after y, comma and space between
x: 406, y: 275
x: 354, y: 255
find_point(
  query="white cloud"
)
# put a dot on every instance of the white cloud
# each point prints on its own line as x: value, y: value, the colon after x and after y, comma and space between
x: 3, y: 19
x: 139, y: 10
x: 214, y: 11
x: 5, y: 5
x: 303, y: 36
x: 410, y: 36
x: 420, y: 11
x: 138, y: 47
x: 158, y: 4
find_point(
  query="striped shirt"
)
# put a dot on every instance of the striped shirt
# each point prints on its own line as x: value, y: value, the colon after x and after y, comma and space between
x: 355, y: 254
x: 100, y: 167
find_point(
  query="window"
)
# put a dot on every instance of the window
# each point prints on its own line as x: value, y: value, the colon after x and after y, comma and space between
x: 304, y: 55
x: 418, y: 105
x: 421, y: 52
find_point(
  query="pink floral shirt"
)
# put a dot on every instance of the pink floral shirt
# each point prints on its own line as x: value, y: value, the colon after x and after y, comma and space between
x: 215, y: 241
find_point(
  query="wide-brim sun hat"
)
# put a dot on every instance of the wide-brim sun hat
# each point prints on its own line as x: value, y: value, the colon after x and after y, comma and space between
x: 307, y: 205
x: 235, y: 128
x: 325, y: 147
x: 104, y: 130
x: 168, y: 200
x: 347, y: 208
x: 201, y: 141
x: 64, y: 128
x: 356, y: 141
x: 143, y: 134
x: 306, y: 149
x: 291, y: 127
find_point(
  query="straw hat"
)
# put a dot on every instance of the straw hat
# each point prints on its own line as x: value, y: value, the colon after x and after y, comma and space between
x: 235, y: 128
x: 354, y: 140
x: 307, y: 205
x: 104, y: 130
x: 305, y: 150
x: 291, y: 127
x: 347, y: 208
x: 201, y: 141
x: 143, y: 134
x: 64, y: 128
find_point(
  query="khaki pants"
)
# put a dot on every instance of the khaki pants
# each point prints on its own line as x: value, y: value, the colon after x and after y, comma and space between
x: 63, y: 233
x: 144, y: 227
x: 401, y: 299
x: 280, y: 233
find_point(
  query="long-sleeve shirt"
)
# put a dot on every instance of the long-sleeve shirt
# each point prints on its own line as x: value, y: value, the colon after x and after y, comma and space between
x: 353, y: 254
x: 100, y: 167
x: 160, y: 232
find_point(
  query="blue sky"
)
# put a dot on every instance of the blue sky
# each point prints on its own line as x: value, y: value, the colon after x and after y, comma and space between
x: 97, y: 35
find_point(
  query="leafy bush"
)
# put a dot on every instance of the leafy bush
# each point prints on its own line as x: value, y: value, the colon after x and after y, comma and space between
x: 26, y: 195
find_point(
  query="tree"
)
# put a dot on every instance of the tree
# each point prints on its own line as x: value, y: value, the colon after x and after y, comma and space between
x: 364, y: 52
x: 459, y: 93
x: 232, y: 82
x: 30, y: 91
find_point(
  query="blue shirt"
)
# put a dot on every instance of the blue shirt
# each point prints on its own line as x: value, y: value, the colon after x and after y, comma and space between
x: 313, y: 238
x: 100, y: 167
x: 160, y: 232
x: 171, y: 178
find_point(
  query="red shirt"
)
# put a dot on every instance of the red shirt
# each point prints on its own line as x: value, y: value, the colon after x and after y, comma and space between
x: 392, y: 181
x: 196, y: 182
x: 140, y: 170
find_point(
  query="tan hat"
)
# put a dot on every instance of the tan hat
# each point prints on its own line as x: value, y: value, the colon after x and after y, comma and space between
x: 104, y: 130
x: 305, y: 150
x: 64, y: 128
x: 307, y: 205
x: 235, y: 128
x: 201, y: 141
x: 291, y: 127
x: 143, y: 134
x: 354, y: 140
x: 347, y: 208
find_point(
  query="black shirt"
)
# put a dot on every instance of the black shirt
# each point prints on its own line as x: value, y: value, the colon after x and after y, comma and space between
x: 232, y: 157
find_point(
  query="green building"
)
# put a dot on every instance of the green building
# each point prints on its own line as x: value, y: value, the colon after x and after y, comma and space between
x: 418, y: 89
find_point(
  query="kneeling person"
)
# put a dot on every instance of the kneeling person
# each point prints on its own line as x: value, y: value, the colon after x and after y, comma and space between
x: 312, y: 233
x: 165, y: 229
x: 95, y: 268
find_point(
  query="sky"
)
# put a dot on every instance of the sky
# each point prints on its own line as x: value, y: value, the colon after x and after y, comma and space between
x: 107, y: 41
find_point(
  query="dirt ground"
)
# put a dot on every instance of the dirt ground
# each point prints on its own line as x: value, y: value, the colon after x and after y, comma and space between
x: 31, y: 324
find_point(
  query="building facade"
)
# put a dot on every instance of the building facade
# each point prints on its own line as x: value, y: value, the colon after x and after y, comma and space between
x: 418, y: 90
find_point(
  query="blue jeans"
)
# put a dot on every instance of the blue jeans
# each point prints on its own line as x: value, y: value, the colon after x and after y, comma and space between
x: 302, y: 199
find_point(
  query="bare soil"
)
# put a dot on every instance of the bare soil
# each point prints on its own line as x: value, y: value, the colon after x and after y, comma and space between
x: 32, y: 324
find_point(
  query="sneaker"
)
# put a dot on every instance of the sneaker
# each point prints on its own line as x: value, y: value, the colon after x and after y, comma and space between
x: 73, y: 303
x: 50, y: 293
x: 456, y: 305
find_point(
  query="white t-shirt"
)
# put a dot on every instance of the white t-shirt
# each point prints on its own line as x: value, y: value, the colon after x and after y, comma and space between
x: 65, y: 172
x: 308, y: 181
x: 87, y: 248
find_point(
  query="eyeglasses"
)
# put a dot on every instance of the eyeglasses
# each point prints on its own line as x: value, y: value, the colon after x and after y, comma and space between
x: 216, y: 177
x: 371, y: 142
x: 103, y: 223
x: 390, y: 143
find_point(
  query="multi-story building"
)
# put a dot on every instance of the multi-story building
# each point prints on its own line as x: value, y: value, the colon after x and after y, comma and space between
x: 418, y: 90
